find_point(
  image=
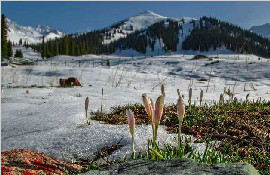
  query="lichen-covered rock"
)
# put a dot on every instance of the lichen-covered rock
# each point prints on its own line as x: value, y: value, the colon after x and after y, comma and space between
x: 22, y: 161
x: 176, y: 166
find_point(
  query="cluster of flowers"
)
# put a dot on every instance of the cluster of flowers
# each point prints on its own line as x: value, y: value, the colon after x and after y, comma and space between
x: 155, y: 111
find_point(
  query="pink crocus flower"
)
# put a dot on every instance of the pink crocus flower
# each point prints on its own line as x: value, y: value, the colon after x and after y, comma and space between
x: 148, y: 106
x: 163, y: 90
x: 153, y: 105
x: 181, y: 114
x: 178, y: 92
x: 131, y: 121
x: 190, y: 95
x: 158, y: 110
x: 86, y: 109
x: 180, y: 108
x: 158, y: 114
x: 201, y: 96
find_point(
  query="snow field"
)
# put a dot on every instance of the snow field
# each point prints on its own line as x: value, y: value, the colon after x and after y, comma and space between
x: 52, y: 119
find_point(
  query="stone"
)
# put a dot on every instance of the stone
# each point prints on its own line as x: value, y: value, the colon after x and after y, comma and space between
x: 23, y: 161
x: 175, y: 166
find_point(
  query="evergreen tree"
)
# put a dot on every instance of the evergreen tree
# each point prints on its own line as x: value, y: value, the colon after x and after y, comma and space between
x: 65, y: 46
x: 56, y: 47
x: 20, y: 42
x: 9, y: 49
x: 4, y: 49
x: 50, y: 51
x: 18, y: 54
x: 83, y: 50
x: 77, y: 51
x: 87, y: 46
x: 72, y: 47
x: 43, y: 48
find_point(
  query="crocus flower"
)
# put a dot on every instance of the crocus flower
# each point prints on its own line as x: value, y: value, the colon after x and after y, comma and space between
x: 190, y: 95
x: 149, y: 108
x: 181, y: 114
x: 158, y: 114
x: 86, y: 109
x: 230, y: 94
x: 86, y: 103
x: 221, y: 98
x: 180, y: 108
x: 178, y: 92
x: 158, y: 110
x: 153, y: 106
x: 201, y: 97
x: 131, y: 123
x: 163, y: 90
x: 247, y: 97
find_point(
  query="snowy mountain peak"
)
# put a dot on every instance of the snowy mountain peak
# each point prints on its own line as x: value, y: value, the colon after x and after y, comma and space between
x: 138, y: 22
x: 29, y: 33
x: 42, y: 28
x: 150, y: 13
x: 144, y: 20
x: 263, y: 30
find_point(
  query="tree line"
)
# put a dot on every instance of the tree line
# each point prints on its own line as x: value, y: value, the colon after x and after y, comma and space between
x: 208, y: 33
x: 167, y: 31
x: 74, y: 45
x: 212, y: 33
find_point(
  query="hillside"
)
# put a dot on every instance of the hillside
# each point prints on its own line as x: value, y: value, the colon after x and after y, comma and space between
x: 212, y: 33
x: 130, y: 25
x: 152, y: 34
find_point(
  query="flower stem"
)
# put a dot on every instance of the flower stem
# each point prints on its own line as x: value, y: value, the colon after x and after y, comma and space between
x: 153, y: 129
x: 87, y: 121
x: 155, y: 136
x: 133, y: 148
x: 179, y: 138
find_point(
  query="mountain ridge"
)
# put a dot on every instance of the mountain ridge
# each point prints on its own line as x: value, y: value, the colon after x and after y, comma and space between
x: 263, y: 30
x: 30, y: 34
x: 152, y: 34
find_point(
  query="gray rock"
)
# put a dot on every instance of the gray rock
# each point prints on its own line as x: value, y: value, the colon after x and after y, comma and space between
x: 175, y: 166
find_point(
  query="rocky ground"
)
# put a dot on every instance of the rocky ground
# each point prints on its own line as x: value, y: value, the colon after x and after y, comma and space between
x: 176, y: 166
x: 22, y: 161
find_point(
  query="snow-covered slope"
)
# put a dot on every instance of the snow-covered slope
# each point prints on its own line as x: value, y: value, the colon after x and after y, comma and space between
x: 137, y: 22
x: 52, y: 120
x: 263, y: 30
x: 143, y: 20
x: 30, y: 34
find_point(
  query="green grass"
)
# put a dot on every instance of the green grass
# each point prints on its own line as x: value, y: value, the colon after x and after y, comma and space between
x: 24, y: 63
x: 209, y: 156
x: 242, y: 127
x: 92, y: 166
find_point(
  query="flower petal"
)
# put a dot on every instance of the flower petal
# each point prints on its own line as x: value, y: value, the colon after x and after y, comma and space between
x: 131, y: 121
x: 159, y: 110
x: 180, y: 108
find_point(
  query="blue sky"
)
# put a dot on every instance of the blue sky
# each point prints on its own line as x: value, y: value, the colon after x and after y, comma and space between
x: 80, y: 16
